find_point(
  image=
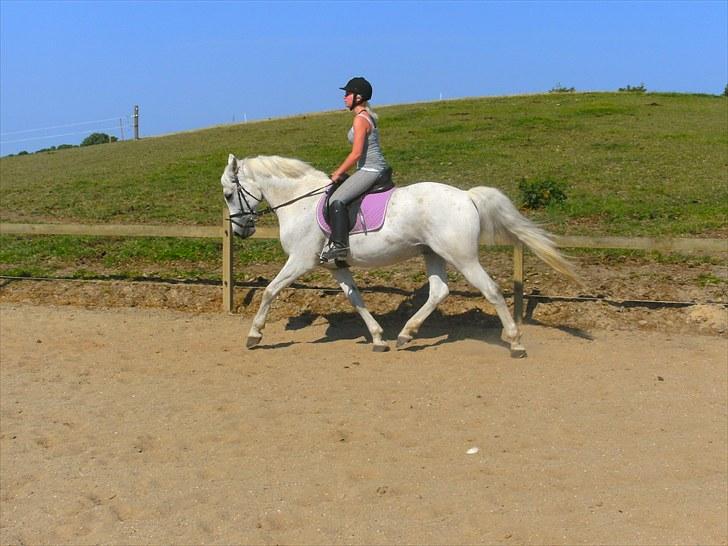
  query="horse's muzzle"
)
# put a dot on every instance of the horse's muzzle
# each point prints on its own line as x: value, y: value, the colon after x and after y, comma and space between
x: 243, y: 231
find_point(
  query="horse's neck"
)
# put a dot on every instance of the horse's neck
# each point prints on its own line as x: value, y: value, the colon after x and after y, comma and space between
x: 278, y: 192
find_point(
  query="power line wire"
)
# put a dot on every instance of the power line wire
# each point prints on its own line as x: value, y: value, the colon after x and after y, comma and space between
x: 88, y: 131
x: 62, y: 126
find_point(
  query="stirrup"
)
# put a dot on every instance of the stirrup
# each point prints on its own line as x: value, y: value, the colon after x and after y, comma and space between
x: 334, y: 253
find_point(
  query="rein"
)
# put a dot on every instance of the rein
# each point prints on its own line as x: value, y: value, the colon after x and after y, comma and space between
x: 252, y: 214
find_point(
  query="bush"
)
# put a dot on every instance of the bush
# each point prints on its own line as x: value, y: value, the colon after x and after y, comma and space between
x: 55, y: 148
x: 98, y: 138
x: 725, y: 91
x: 536, y: 194
x: 558, y: 88
x: 629, y: 89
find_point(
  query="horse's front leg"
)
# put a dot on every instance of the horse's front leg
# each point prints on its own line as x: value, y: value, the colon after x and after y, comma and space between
x: 294, y: 268
x: 346, y: 281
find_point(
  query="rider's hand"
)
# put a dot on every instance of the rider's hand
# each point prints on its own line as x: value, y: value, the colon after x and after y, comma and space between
x: 340, y: 177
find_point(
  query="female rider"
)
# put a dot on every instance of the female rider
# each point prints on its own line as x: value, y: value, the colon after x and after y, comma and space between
x: 366, y: 154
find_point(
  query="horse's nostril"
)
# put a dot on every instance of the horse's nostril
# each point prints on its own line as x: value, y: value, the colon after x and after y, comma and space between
x: 244, y: 232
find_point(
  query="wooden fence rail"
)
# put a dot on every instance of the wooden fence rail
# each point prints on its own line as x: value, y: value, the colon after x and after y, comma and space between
x: 698, y: 246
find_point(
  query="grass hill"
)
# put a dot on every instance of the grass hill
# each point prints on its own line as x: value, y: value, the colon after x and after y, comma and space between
x: 629, y: 163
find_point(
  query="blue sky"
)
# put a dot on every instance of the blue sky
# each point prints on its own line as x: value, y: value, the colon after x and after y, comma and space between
x: 191, y: 64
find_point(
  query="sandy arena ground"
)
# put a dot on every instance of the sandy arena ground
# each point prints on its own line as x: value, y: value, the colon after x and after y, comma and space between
x: 150, y: 426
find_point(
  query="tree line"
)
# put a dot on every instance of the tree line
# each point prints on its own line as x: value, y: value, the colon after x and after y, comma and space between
x: 91, y: 140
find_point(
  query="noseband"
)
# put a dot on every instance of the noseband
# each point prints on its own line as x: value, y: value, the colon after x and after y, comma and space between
x: 251, y: 215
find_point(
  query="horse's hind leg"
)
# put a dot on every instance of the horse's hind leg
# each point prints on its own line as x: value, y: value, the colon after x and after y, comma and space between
x: 346, y: 281
x: 437, y: 274
x: 476, y: 275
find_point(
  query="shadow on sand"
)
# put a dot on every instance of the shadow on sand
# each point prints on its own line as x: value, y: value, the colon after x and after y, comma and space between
x: 438, y: 329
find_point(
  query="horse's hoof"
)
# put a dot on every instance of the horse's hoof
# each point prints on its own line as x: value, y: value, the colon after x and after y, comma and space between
x: 518, y: 352
x: 252, y: 341
x: 403, y: 340
x: 383, y: 348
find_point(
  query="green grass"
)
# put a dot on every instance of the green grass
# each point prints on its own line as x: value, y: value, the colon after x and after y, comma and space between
x: 82, y: 257
x: 631, y: 164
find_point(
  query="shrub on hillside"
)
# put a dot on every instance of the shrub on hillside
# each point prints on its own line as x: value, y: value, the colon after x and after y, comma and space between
x: 98, y: 138
x: 629, y: 89
x: 537, y: 194
x: 558, y: 88
x: 54, y: 148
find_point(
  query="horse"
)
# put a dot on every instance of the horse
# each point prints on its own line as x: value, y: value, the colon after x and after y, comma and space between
x: 441, y: 223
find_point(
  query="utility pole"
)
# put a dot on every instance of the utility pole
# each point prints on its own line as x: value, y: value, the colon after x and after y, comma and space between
x: 121, y: 128
x: 136, y: 122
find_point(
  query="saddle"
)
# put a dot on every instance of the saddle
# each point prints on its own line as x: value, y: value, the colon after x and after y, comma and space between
x: 366, y: 212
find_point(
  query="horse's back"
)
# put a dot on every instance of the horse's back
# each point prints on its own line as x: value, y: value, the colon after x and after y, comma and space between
x: 434, y: 203
x: 424, y: 213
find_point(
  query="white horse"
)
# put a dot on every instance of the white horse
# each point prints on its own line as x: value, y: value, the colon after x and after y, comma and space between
x: 441, y: 223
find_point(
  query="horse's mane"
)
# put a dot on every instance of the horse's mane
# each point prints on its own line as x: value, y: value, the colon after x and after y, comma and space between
x: 279, y: 167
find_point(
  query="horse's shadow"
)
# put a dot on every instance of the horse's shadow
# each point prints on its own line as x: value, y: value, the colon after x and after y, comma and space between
x: 438, y: 329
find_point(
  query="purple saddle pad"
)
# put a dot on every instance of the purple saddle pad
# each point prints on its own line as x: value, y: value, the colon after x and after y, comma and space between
x: 369, y: 218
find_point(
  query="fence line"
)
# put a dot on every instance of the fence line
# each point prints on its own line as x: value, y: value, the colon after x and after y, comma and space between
x: 700, y: 246
x: 112, y: 230
x: 663, y: 244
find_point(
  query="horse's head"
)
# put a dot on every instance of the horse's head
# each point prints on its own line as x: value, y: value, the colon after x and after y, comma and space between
x: 241, y: 201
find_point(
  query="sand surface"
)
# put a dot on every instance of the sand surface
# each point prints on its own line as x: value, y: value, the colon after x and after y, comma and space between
x: 147, y: 426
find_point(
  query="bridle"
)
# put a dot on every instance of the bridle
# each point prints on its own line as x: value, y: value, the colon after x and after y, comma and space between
x: 251, y: 214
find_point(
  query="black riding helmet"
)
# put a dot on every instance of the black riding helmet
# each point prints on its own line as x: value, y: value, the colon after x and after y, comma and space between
x: 360, y: 86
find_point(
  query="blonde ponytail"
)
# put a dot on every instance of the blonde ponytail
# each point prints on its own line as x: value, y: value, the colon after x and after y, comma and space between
x: 369, y: 110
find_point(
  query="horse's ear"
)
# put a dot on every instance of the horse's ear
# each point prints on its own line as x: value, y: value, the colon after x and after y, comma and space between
x: 231, y: 160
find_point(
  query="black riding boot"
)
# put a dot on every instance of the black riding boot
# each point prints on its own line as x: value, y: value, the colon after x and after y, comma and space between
x: 339, y: 241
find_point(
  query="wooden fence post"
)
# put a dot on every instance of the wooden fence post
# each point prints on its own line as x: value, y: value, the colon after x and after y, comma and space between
x: 518, y: 282
x: 228, y: 281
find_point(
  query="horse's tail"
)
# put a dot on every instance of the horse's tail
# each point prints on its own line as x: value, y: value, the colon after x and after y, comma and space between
x: 501, y: 223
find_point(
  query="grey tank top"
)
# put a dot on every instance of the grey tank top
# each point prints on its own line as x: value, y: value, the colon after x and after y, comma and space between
x: 372, y: 158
